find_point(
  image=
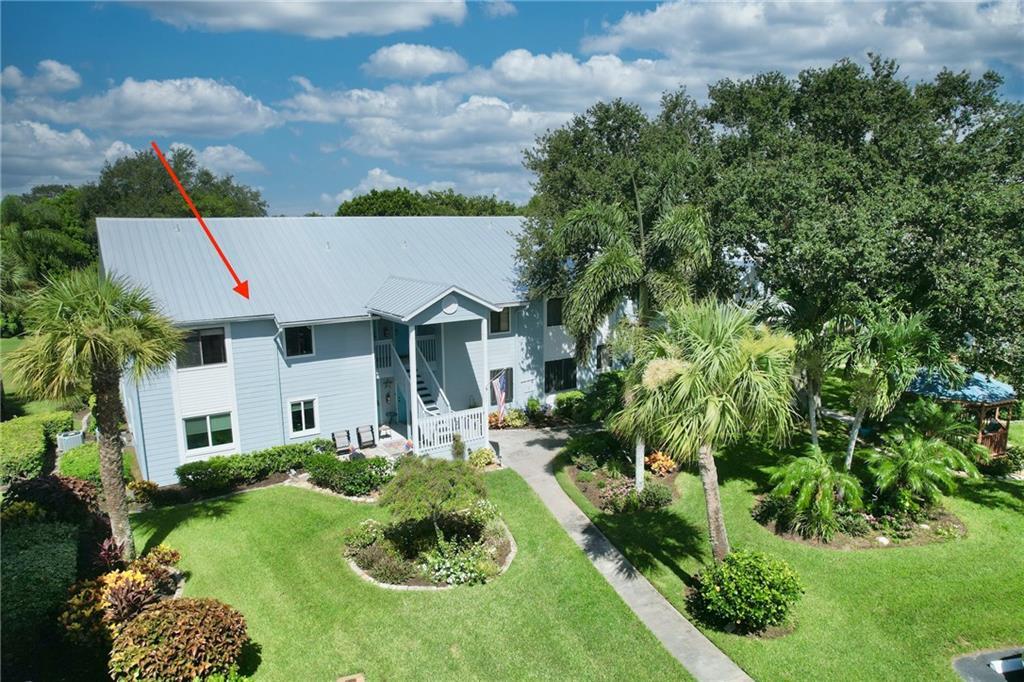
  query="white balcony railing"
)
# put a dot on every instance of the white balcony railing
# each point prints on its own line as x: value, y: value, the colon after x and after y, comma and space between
x: 436, y: 432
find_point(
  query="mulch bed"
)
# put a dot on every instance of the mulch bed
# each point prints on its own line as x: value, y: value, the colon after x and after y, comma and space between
x: 592, y: 490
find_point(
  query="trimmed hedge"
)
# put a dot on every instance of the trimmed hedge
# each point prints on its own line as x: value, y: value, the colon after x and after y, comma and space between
x: 24, y: 442
x: 568, y: 403
x: 356, y: 477
x: 223, y: 473
x: 748, y: 591
x: 83, y: 463
x: 39, y: 567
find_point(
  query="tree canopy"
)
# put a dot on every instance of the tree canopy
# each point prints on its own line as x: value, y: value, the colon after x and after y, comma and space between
x: 848, y: 188
x: 406, y: 202
x: 52, y: 228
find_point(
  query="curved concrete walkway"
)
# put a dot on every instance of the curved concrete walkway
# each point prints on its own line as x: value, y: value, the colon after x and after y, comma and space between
x: 529, y: 452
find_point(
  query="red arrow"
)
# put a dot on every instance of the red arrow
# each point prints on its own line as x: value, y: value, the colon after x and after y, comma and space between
x: 241, y: 286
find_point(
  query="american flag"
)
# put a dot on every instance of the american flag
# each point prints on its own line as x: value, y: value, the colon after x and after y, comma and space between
x: 500, y: 384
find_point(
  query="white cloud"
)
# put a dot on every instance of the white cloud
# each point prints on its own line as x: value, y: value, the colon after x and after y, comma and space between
x: 312, y: 19
x: 224, y: 159
x: 199, y: 106
x: 51, y: 76
x: 378, y: 178
x: 715, y: 40
x: 34, y: 154
x: 499, y: 8
x: 404, y: 60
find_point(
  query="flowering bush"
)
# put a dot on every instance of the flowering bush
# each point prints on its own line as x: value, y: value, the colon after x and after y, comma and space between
x: 660, y: 464
x: 459, y: 564
x: 513, y: 419
x: 365, y: 534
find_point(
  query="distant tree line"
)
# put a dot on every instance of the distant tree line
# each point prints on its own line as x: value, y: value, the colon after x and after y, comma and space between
x: 406, y: 202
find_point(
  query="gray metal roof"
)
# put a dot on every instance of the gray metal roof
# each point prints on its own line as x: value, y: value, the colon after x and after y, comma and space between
x: 307, y: 269
x: 403, y: 297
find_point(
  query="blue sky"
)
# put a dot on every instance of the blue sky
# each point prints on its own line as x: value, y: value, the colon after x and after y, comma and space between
x: 316, y: 102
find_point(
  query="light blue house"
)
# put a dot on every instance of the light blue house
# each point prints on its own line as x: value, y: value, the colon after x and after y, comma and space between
x: 398, y: 323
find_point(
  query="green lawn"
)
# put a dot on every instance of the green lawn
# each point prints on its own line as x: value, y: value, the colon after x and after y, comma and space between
x: 880, y: 614
x: 1017, y: 433
x: 14, y: 403
x: 276, y: 555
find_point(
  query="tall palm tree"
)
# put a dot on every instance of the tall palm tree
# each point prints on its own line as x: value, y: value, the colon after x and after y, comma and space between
x: 85, y: 330
x: 704, y: 377
x: 883, y: 355
x: 613, y: 257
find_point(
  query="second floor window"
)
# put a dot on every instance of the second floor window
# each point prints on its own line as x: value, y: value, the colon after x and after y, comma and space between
x: 203, y: 347
x: 298, y: 341
x: 559, y: 375
x: 555, y: 312
x: 501, y: 321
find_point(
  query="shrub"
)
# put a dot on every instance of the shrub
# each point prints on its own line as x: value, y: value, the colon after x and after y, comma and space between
x: 602, y: 398
x: 223, y: 473
x: 25, y: 443
x: 38, y: 568
x: 482, y: 458
x: 534, y: 408
x: 179, y: 639
x: 82, y: 618
x: 584, y: 476
x: 430, y: 488
x: 109, y: 556
x: 69, y: 500
x: 17, y: 513
x: 513, y: 419
x: 654, y: 496
x: 356, y: 478
x: 83, y: 462
x: 125, y: 594
x: 156, y: 566
x: 585, y: 462
x: 750, y: 591
x: 568, y: 403
x: 362, y: 536
x: 616, y: 496
x: 1011, y: 462
x: 458, y: 447
x: 601, y: 445
x: 144, y: 492
x: 660, y: 464
x: 453, y: 563
x: 384, y: 564
x: 913, y: 471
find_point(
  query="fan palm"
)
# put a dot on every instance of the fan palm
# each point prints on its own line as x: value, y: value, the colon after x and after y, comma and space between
x: 883, y: 356
x: 946, y: 423
x: 815, y: 486
x: 85, y: 330
x: 613, y: 256
x: 921, y: 467
x: 704, y: 377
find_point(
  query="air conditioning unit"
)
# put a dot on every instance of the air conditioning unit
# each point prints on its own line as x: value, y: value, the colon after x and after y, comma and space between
x: 69, y: 439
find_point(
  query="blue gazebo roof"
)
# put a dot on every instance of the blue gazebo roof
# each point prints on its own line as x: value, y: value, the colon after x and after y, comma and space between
x: 979, y: 389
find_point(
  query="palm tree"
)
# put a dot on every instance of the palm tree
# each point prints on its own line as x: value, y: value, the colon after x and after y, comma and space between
x: 615, y: 257
x: 883, y: 356
x: 85, y: 330
x: 921, y: 467
x: 815, y: 486
x: 703, y: 378
x: 946, y: 423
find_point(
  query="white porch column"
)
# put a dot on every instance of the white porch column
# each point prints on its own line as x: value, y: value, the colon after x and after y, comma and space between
x: 485, y: 391
x: 414, y: 405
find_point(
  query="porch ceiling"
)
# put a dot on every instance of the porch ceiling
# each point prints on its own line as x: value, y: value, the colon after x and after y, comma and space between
x: 402, y: 298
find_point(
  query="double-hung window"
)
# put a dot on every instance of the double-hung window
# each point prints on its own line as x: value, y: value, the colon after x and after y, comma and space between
x: 303, y: 416
x: 501, y: 321
x: 604, y: 357
x: 208, y: 431
x: 203, y: 347
x: 554, y: 312
x: 298, y: 341
x: 559, y: 375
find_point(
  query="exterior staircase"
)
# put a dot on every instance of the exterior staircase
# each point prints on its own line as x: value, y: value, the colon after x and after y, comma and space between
x: 428, y: 398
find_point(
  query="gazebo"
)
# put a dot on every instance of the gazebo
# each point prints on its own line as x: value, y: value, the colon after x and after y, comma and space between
x: 979, y: 393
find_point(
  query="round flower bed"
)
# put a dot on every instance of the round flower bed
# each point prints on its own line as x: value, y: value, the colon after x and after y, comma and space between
x: 465, y: 548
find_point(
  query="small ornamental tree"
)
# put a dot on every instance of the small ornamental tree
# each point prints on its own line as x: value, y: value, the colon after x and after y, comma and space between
x: 431, y: 489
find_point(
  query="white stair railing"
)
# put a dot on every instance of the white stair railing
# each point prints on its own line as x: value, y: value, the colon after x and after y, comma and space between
x: 436, y: 432
x: 433, y: 385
